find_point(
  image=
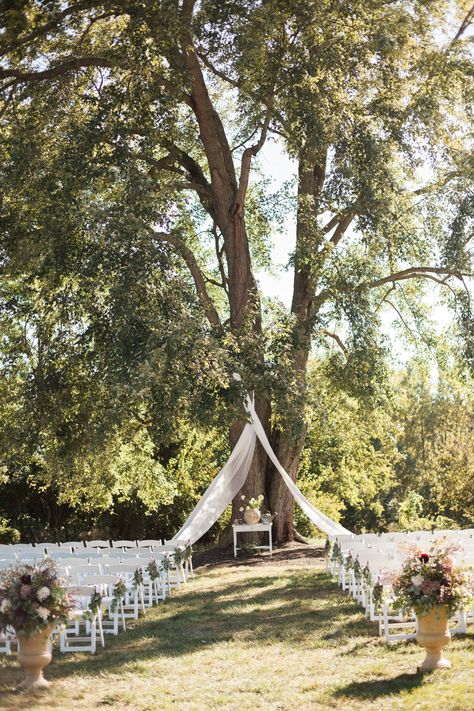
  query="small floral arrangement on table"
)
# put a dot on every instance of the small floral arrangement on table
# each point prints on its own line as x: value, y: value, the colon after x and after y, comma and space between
x: 253, y: 503
x: 433, y: 579
x: 32, y: 598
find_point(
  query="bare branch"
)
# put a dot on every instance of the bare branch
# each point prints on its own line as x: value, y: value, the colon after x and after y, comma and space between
x: 246, y: 162
x: 220, y: 258
x: 468, y: 19
x: 70, y: 64
x: 342, y: 227
x: 336, y: 338
x: 414, y: 273
x: 431, y: 187
x: 410, y: 330
x: 196, y: 273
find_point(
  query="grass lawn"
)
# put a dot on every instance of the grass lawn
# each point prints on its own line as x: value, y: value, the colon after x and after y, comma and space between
x: 261, y: 634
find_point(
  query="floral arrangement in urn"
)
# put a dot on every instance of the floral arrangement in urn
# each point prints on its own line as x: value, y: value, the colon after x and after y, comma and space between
x: 32, y: 599
x: 433, y: 579
x: 32, y: 602
x: 435, y: 586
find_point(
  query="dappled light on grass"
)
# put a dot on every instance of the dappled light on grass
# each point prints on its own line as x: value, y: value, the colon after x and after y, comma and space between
x: 249, y: 637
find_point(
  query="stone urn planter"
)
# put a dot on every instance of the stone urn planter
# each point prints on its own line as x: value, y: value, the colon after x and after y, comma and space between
x: 433, y: 634
x: 252, y: 516
x: 34, y: 654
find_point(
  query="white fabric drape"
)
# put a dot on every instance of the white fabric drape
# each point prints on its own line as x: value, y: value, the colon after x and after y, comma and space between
x: 232, y: 477
x: 222, y: 489
x: 323, y: 522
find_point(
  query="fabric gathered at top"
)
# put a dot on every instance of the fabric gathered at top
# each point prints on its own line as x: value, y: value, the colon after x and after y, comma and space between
x: 231, y: 479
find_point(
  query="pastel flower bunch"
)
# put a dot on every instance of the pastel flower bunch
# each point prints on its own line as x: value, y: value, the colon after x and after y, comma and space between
x: 253, y: 503
x: 433, y: 579
x: 32, y: 598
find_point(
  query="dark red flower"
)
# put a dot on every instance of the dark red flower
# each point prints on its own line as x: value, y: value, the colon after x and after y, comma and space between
x: 25, y: 579
x: 424, y: 557
x: 20, y: 613
x: 444, y: 581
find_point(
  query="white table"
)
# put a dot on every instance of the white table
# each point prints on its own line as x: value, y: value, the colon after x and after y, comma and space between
x: 251, y: 528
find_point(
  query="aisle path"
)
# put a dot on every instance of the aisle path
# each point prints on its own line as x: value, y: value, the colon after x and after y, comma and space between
x: 259, y: 634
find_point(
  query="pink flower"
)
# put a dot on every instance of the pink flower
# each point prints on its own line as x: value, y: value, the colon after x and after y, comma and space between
x: 448, y: 563
x: 25, y: 591
x: 430, y: 586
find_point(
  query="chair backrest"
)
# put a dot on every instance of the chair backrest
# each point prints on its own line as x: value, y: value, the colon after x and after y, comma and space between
x: 124, y: 544
x: 146, y: 556
x: 149, y: 543
x: 7, y: 547
x: 73, y: 544
x: 89, y: 554
x: 80, y: 595
x: 166, y: 548
x: 105, y: 582
x: 62, y: 571
x: 129, y: 554
x: 127, y: 570
x: 56, y: 555
x: 84, y: 570
x: 97, y: 544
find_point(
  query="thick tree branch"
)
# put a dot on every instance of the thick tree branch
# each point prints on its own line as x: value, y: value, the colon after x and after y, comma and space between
x: 18, y: 76
x: 336, y: 338
x: 196, y: 273
x: 220, y: 258
x: 414, y: 273
x: 341, y: 228
x: 246, y: 163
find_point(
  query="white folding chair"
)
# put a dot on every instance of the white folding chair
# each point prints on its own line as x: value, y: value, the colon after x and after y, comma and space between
x: 134, y: 596
x: 70, y: 637
x: 79, y: 572
x: 115, y: 612
x: 188, y: 555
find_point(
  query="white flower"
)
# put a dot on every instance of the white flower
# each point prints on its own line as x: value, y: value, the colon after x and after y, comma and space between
x: 417, y: 580
x: 242, y: 497
x: 43, y: 612
x: 43, y: 593
x: 241, y: 508
x: 5, y: 606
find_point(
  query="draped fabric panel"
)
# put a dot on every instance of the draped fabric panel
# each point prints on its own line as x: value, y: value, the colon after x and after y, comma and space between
x: 222, y: 489
x: 231, y: 479
x: 323, y: 522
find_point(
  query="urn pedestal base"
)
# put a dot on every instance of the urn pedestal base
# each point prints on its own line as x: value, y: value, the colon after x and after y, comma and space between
x: 34, y: 655
x: 433, y: 634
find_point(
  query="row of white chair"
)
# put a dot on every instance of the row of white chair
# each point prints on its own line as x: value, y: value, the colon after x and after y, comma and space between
x: 97, y: 574
x: 365, y: 566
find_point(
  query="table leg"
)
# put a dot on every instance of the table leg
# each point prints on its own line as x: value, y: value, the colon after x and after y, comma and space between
x: 270, y: 541
x: 235, y: 544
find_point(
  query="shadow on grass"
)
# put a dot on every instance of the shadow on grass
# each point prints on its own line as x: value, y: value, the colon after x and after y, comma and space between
x: 374, y: 688
x: 297, y: 608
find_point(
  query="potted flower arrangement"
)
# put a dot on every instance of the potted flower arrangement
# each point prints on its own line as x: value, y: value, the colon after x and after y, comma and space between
x: 251, y: 510
x: 33, y: 602
x: 435, y: 587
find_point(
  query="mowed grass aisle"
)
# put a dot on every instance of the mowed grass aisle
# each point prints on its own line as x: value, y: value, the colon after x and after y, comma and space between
x: 257, y: 635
